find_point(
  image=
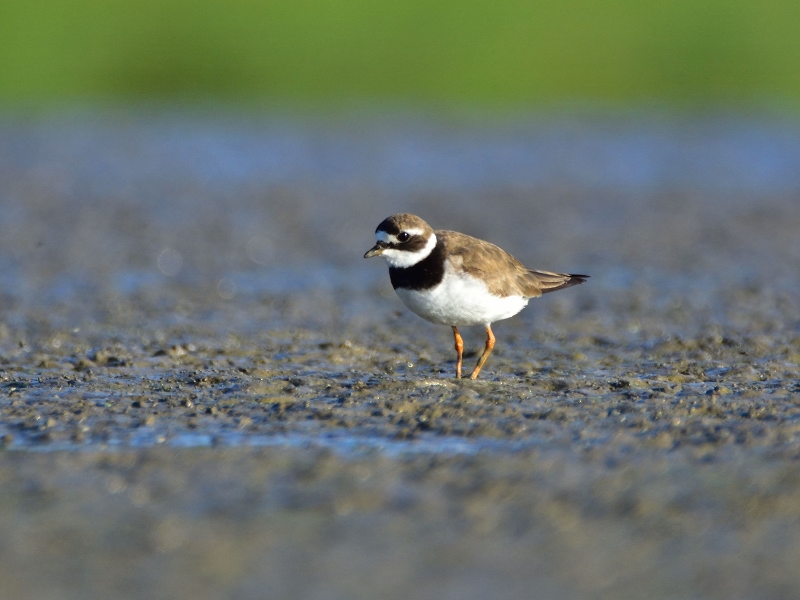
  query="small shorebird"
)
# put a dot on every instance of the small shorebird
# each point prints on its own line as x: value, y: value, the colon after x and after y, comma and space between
x: 451, y: 278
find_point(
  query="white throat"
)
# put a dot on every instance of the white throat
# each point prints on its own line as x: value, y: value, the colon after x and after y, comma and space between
x: 401, y: 259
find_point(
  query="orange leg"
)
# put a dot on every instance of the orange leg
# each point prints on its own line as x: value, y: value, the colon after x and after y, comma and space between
x: 459, y: 350
x: 486, y: 351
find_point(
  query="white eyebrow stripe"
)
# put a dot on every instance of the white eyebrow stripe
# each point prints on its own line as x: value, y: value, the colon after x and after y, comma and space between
x: 388, y: 238
x: 414, y: 231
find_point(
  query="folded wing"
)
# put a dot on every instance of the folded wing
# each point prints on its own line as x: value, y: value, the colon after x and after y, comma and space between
x: 504, y: 275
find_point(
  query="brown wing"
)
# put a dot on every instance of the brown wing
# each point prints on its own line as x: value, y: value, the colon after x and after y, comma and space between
x: 504, y: 274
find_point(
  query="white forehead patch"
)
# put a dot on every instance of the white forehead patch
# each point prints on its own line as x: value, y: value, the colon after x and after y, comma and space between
x: 387, y: 238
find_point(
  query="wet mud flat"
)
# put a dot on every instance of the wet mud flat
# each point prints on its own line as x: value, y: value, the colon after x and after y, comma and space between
x: 240, y: 522
x: 205, y: 391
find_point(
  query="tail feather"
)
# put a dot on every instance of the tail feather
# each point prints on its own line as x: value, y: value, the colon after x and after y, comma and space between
x: 550, y: 282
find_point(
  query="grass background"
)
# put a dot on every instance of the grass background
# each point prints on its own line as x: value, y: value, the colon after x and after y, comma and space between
x: 504, y: 52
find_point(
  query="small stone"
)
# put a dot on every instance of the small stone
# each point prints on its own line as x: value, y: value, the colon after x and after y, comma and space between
x: 84, y: 364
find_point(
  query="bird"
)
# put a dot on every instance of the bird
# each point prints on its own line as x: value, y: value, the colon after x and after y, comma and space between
x: 450, y: 278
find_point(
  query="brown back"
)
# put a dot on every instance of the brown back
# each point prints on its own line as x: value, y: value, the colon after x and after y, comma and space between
x: 504, y: 274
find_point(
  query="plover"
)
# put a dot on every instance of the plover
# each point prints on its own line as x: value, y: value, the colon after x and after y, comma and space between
x: 451, y: 278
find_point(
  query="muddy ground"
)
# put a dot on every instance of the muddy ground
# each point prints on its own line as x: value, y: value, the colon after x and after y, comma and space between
x: 206, y: 392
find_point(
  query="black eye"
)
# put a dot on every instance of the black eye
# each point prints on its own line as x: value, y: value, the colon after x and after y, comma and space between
x: 404, y: 236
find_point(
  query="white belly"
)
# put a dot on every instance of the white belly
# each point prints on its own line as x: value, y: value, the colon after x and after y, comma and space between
x: 461, y: 300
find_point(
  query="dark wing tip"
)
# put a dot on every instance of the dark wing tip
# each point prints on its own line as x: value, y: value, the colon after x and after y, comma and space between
x: 552, y: 282
x: 573, y: 280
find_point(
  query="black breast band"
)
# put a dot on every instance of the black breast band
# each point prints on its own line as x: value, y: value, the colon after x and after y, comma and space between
x: 424, y: 275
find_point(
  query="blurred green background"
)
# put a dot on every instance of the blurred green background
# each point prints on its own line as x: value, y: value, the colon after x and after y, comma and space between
x: 504, y: 52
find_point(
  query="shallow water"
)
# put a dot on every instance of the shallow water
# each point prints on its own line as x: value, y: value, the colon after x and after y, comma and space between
x: 186, y: 294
